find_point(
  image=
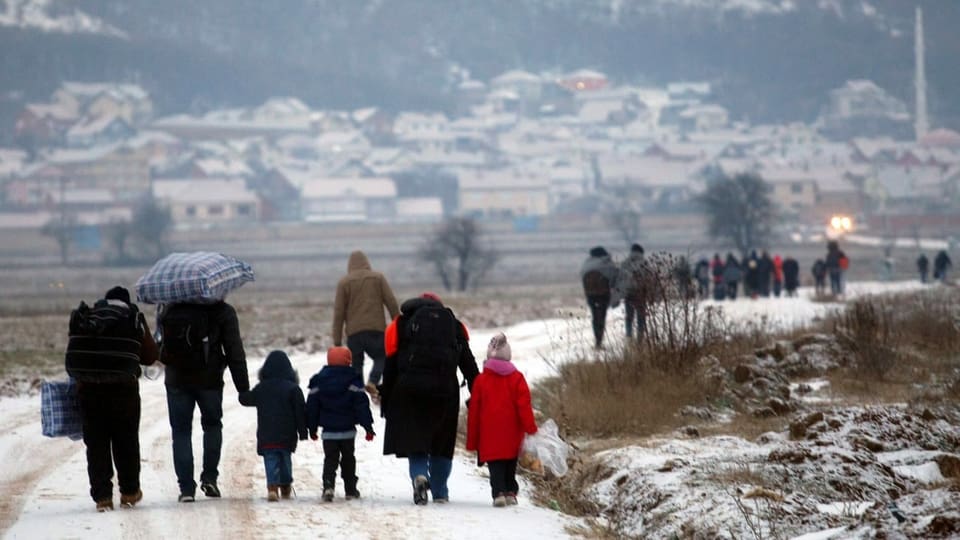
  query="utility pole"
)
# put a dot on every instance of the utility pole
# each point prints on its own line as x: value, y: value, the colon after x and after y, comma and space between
x: 922, y: 122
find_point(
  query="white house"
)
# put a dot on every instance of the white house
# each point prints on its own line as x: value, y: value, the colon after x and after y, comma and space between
x: 348, y: 199
x: 504, y: 192
x: 208, y: 201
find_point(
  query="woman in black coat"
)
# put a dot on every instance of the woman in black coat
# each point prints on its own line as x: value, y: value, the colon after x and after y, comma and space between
x: 420, y: 394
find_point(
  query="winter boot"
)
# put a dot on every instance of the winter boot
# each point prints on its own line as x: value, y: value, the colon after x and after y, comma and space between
x: 210, y: 489
x: 286, y: 491
x: 272, y: 494
x: 511, y: 498
x: 128, y: 501
x: 421, y: 486
x: 327, y: 494
x: 500, y: 500
x: 104, y: 505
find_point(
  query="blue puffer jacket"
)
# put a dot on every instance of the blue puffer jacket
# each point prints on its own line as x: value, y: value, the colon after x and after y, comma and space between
x: 279, y: 403
x: 336, y: 401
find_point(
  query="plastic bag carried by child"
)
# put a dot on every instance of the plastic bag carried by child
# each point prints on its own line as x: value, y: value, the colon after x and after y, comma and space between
x: 545, y: 451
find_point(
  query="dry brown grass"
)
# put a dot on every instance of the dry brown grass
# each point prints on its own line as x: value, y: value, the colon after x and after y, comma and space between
x: 617, y: 397
x: 905, y: 346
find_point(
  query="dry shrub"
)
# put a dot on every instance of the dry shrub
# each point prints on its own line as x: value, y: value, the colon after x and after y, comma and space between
x: 617, y: 396
x: 866, y: 327
x: 899, y: 342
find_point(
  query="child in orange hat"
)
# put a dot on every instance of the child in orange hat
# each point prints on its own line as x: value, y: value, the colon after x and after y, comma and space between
x: 337, y: 403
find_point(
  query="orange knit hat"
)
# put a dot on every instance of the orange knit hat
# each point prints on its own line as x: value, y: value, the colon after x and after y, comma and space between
x: 339, y: 356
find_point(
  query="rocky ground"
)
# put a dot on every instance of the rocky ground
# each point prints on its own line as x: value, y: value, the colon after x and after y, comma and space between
x: 842, y: 471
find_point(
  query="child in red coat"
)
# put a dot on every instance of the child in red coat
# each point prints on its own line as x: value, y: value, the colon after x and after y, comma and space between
x: 499, y: 415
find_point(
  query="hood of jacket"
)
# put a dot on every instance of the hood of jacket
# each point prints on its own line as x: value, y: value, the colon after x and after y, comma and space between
x: 358, y: 261
x: 499, y: 366
x: 414, y: 304
x: 278, y: 366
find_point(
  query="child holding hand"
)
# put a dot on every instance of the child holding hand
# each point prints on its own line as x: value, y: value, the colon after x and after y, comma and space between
x: 499, y: 415
x: 337, y: 403
x: 280, y: 421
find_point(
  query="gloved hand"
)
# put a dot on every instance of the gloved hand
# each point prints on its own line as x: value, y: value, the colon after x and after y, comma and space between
x: 370, y: 436
x: 313, y: 436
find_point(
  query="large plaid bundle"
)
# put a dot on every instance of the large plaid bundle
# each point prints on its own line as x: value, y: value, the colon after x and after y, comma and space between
x: 59, y: 410
x: 200, y: 276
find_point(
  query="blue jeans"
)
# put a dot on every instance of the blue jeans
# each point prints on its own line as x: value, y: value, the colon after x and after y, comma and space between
x: 638, y: 311
x: 435, y: 468
x: 180, y: 405
x: 279, y: 467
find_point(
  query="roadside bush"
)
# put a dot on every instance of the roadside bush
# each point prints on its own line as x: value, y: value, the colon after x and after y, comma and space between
x: 637, y: 388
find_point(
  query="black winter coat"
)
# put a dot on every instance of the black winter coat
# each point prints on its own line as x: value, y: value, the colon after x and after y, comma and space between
x: 336, y: 401
x: 229, y: 354
x: 416, y: 424
x: 791, y: 273
x: 279, y: 403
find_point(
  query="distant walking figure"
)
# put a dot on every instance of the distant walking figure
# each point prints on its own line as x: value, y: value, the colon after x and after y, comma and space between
x: 923, y: 266
x: 819, y: 271
x: 599, y: 275
x: 941, y: 265
x: 361, y: 297
x: 631, y: 282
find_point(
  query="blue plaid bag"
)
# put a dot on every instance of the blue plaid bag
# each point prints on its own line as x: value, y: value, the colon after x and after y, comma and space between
x: 195, y: 277
x: 60, y: 410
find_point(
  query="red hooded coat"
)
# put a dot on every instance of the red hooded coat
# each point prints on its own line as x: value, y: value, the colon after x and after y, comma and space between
x: 500, y: 412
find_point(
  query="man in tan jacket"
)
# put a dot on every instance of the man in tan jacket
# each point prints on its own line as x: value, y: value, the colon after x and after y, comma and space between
x: 361, y: 296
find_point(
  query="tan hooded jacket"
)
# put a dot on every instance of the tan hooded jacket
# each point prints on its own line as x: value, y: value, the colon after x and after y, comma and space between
x: 361, y: 297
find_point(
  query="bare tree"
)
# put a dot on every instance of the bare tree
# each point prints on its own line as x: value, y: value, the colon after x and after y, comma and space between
x: 623, y: 214
x: 62, y: 229
x: 740, y: 209
x: 457, y: 253
x: 117, y: 232
x: 151, y: 223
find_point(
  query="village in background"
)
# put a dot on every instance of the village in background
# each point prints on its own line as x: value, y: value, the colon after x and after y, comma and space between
x: 535, y: 151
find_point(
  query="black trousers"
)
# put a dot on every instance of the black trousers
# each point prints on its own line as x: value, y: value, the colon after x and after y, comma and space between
x: 339, y: 453
x: 503, y: 476
x: 598, y: 312
x: 111, y: 425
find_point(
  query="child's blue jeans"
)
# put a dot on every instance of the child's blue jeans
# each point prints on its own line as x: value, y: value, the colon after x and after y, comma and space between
x: 279, y: 467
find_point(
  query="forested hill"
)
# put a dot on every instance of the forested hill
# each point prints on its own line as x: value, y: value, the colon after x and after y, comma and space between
x: 770, y: 60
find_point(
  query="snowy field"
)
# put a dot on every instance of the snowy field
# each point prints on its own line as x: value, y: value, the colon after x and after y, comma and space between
x: 46, y: 483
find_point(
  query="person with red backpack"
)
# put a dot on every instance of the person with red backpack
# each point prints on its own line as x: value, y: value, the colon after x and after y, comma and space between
x: 420, y: 395
x: 599, y: 275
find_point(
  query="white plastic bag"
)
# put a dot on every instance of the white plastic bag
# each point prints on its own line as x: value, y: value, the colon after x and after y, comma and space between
x: 545, y: 450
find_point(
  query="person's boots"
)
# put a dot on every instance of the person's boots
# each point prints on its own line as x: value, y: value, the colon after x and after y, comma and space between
x: 272, y: 493
x: 286, y: 491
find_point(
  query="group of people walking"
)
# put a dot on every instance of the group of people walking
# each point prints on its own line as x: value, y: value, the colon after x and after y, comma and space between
x: 417, y: 357
x: 941, y: 266
x: 639, y: 282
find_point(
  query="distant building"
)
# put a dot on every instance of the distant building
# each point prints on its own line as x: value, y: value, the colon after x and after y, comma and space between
x: 504, y: 192
x: 206, y: 202
x: 583, y: 80
x: 861, y: 108
x: 348, y: 199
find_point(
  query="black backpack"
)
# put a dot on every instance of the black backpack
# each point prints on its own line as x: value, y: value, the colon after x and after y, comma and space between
x: 104, y: 343
x: 189, y: 337
x: 430, y: 340
x: 595, y: 283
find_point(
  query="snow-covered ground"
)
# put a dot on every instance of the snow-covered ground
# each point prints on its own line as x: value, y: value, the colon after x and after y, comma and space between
x: 46, y: 485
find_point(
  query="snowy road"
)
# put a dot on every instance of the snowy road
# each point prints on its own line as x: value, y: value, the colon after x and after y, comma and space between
x: 46, y: 485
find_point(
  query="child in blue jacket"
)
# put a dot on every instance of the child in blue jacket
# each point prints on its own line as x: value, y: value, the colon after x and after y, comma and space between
x: 280, y: 421
x: 337, y: 403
